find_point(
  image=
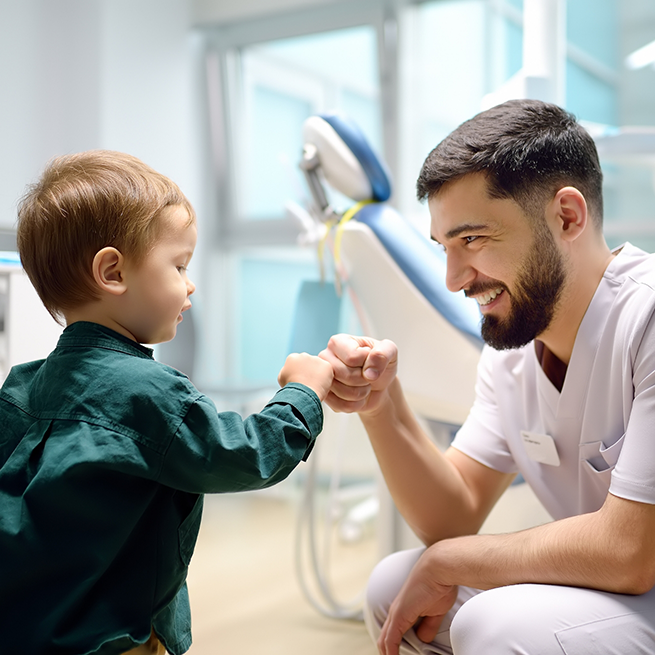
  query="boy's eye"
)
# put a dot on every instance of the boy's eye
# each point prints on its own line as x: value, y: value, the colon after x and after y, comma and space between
x: 181, y: 268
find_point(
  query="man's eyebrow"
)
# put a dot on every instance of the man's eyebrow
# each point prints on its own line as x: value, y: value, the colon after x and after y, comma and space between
x: 463, y: 228
x: 466, y: 227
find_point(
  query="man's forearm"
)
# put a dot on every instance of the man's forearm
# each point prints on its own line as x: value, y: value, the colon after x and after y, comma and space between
x: 428, y: 489
x: 607, y: 550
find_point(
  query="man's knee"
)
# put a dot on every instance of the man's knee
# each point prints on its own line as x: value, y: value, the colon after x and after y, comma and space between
x: 479, y: 623
x: 553, y: 620
x: 502, y: 621
x: 384, y: 584
x: 516, y: 619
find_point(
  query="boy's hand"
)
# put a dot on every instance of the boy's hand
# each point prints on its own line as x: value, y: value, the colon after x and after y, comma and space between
x: 309, y: 370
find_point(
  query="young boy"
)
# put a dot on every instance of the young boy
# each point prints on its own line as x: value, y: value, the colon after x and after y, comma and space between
x: 105, y: 453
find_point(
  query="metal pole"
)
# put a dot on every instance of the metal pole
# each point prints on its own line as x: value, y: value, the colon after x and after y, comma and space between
x: 544, y: 49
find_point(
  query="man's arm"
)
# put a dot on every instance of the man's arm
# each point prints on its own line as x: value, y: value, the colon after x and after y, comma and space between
x: 445, y: 498
x: 439, y: 495
x: 610, y: 550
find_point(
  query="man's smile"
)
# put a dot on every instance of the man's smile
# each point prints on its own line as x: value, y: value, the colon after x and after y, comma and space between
x: 485, y: 298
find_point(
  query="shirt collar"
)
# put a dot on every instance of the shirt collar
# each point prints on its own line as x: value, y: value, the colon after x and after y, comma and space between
x: 83, y: 333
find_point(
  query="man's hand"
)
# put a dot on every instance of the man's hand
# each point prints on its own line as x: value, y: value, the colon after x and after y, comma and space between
x: 363, y: 370
x: 421, y: 597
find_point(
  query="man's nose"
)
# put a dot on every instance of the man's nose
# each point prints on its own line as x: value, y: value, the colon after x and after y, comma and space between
x: 459, y: 272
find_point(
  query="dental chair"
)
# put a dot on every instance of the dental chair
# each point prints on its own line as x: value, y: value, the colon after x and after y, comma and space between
x: 395, y: 275
x: 395, y: 278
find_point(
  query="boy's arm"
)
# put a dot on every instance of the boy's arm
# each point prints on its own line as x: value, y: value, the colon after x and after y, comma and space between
x: 221, y: 452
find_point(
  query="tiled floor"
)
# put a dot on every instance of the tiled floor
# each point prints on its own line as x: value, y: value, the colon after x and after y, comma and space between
x: 244, y: 592
x: 245, y: 596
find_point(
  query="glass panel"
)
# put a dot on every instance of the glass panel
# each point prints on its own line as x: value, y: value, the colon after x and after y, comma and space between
x: 592, y: 27
x: 445, y: 78
x: 629, y: 191
x: 268, y: 284
x: 636, y: 25
x: 274, y: 144
x: 283, y: 83
x: 452, y: 70
x: 605, y: 32
x: 286, y: 81
x: 514, y: 46
x: 588, y: 97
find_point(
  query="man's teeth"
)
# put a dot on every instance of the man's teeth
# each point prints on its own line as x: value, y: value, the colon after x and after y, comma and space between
x: 486, y: 298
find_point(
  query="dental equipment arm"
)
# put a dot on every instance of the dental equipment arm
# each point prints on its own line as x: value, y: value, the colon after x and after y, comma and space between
x: 395, y: 275
x: 396, y: 279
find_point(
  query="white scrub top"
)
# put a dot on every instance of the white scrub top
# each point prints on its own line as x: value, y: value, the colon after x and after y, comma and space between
x: 602, y: 423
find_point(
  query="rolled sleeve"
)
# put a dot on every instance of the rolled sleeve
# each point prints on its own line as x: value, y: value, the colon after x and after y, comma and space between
x: 482, y: 436
x: 634, y: 475
x: 214, y: 452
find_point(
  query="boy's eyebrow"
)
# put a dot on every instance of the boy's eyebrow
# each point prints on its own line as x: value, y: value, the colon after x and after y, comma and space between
x: 187, y: 253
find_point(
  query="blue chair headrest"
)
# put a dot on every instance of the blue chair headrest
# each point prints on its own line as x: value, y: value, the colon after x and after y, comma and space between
x: 424, y: 264
x: 354, y: 138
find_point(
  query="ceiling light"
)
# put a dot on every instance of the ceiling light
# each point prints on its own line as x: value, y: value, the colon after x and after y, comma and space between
x: 642, y: 57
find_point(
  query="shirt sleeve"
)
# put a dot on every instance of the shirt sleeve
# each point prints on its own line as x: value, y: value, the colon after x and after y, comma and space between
x: 482, y: 437
x: 633, y: 477
x: 214, y: 452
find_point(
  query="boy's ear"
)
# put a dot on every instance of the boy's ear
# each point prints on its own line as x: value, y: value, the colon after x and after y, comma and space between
x: 570, y: 209
x: 108, y: 271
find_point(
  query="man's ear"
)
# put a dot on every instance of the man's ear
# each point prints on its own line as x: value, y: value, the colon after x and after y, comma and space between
x: 109, y: 271
x: 569, y: 209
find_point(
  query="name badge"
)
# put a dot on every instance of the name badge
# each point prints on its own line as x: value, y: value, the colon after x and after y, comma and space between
x: 540, y: 448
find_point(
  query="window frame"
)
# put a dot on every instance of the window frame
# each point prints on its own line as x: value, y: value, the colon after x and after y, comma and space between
x: 227, y: 235
x: 224, y: 94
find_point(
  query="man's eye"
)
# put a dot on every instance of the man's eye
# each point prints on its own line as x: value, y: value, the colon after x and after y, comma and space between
x: 470, y: 239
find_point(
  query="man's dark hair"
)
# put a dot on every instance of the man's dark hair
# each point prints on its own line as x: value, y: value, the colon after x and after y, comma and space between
x: 528, y: 150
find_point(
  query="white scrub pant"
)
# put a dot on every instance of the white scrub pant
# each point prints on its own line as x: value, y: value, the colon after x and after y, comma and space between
x: 525, y: 619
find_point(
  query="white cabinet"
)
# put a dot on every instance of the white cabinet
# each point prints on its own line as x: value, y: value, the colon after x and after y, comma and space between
x: 27, y: 331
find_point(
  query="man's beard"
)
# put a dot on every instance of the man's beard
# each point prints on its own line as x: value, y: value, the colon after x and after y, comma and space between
x: 539, y: 286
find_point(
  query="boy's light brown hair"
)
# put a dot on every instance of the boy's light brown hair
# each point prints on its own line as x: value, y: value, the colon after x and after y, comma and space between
x: 83, y: 203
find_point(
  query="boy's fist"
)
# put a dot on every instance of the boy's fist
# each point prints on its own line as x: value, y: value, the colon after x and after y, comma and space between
x: 309, y: 370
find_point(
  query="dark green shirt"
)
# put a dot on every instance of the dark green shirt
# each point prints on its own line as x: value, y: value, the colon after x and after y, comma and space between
x: 104, y: 457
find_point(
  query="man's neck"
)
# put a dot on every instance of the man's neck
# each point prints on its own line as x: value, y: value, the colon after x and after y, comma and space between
x: 558, y: 340
x: 553, y: 367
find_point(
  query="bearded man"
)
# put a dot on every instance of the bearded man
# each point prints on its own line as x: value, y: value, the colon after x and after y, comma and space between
x: 565, y: 396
